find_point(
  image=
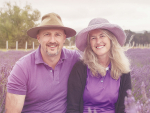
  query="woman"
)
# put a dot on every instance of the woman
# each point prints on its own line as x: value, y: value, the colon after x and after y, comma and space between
x: 100, y: 80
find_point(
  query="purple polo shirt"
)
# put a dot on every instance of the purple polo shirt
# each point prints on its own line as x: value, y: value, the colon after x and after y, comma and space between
x: 45, y: 88
x: 101, y: 93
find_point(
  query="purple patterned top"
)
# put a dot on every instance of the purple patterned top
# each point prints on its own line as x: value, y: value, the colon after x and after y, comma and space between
x: 101, y: 93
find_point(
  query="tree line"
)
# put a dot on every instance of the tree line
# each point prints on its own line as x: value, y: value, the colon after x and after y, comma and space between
x: 137, y: 38
x: 15, y: 21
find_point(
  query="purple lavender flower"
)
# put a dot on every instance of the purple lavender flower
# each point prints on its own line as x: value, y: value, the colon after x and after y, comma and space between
x: 130, y: 106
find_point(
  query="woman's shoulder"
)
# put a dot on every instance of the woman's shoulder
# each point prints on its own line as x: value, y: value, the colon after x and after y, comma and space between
x: 80, y: 64
x: 126, y: 78
x: 125, y: 75
x: 79, y: 71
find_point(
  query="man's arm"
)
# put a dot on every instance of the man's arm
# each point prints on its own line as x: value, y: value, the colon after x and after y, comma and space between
x: 14, y: 103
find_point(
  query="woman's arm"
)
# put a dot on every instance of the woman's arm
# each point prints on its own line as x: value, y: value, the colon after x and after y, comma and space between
x: 125, y: 84
x: 76, y: 83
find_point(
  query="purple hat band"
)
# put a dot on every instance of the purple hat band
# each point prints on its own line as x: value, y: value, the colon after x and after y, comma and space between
x: 99, y: 23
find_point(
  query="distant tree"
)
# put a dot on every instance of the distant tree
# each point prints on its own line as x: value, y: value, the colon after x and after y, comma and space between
x: 67, y: 42
x: 146, y: 37
x: 139, y: 38
x: 14, y: 23
x: 129, y: 35
x: 72, y: 40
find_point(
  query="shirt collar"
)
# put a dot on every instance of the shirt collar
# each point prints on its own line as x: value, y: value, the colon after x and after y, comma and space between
x: 38, y: 56
x: 109, y: 67
x: 39, y: 59
x: 63, y: 54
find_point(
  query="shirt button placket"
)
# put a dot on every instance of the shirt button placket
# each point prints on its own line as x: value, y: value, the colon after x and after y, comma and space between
x: 51, y: 74
x: 56, y: 76
x: 56, y: 73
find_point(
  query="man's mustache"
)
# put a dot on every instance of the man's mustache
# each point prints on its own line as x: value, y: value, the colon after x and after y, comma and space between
x: 52, y: 44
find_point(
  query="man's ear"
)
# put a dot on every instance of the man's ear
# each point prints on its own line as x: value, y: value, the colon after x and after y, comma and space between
x: 64, y: 38
x: 38, y: 38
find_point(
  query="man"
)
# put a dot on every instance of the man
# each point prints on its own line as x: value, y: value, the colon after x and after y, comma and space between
x: 38, y: 81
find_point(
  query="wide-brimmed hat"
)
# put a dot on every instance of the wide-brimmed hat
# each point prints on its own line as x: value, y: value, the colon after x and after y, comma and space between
x: 99, y: 23
x: 51, y: 20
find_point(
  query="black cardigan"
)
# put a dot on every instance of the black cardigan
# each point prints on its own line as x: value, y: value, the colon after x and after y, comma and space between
x: 76, y: 85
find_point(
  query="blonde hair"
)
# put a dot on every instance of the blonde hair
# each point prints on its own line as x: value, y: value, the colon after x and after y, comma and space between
x: 119, y: 61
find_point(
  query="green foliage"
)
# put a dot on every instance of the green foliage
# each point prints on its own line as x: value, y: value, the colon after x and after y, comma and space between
x: 14, y: 23
x: 72, y: 40
x: 138, y: 38
x: 66, y: 42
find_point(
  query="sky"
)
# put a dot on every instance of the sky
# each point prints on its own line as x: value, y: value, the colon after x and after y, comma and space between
x: 131, y: 15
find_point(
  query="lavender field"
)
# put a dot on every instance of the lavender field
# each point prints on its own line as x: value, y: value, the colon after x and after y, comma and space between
x: 7, y: 60
x: 138, y: 100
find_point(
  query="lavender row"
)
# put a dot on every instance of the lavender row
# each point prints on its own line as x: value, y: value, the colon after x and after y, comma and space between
x: 7, y: 60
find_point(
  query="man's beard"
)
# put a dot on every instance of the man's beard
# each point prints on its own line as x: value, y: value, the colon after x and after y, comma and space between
x: 52, y: 54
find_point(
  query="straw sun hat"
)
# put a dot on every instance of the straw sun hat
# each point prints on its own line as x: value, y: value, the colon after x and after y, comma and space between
x: 99, y: 23
x: 51, y: 20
